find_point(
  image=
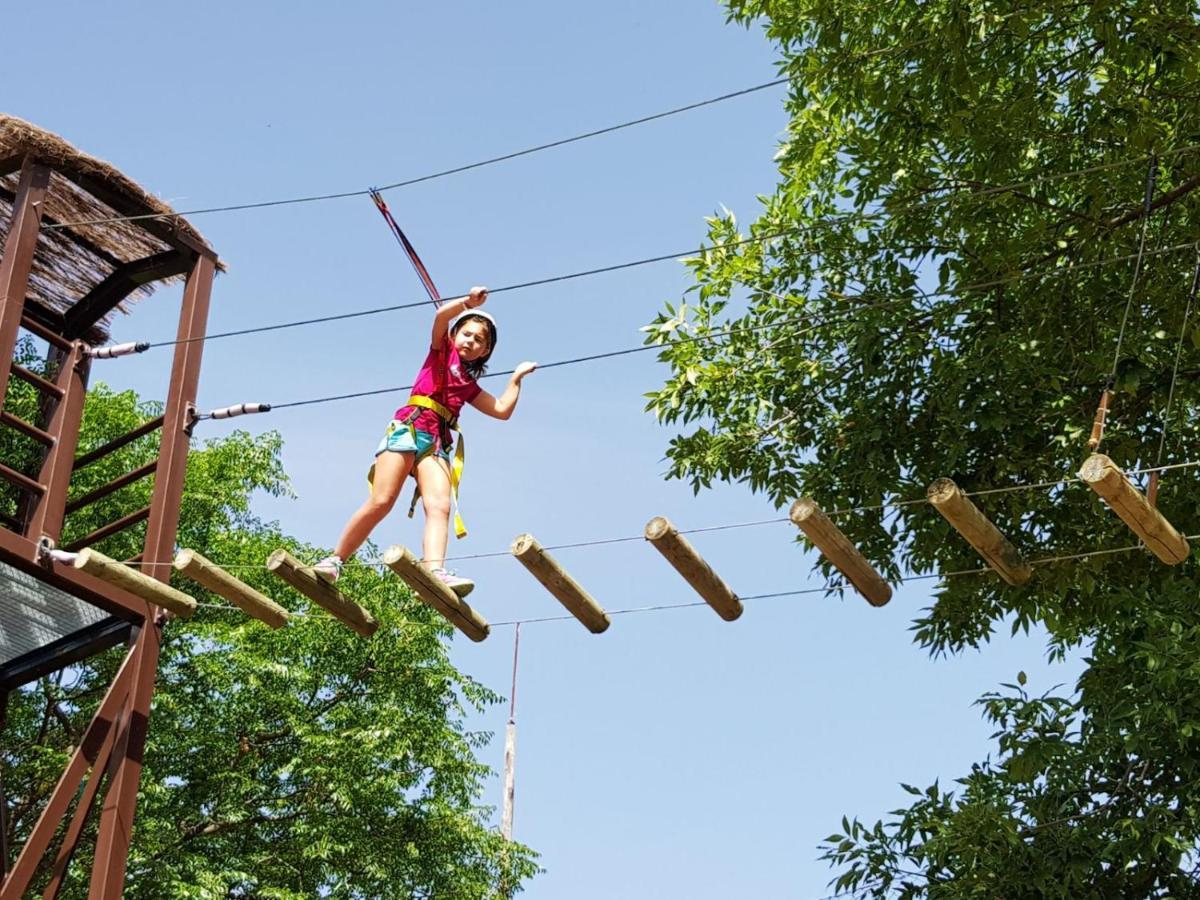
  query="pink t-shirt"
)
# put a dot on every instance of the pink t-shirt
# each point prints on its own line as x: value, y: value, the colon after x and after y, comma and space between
x: 446, y: 381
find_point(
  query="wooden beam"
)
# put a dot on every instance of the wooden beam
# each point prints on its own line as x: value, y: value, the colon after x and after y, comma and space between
x: 1106, y: 479
x: 166, y: 497
x: 321, y: 592
x: 86, y: 754
x: 21, y: 480
x: 81, y: 644
x: 842, y: 554
x: 565, y: 589
x: 44, y: 518
x: 434, y: 594
x: 161, y: 226
x: 149, y: 589
x: 42, y: 437
x: 44, y: 385
x: 35, y: 326
x: 948, y: 499
x: 679, y: 552
x: 129, y: 437
x: 115, y: 828
x: 75, y: 238
x: 119, y: 284
x: 113, y: 486
x: 24, y: 554
x: 16, y: 262
x: 109, y: 530
x: 221, y: 583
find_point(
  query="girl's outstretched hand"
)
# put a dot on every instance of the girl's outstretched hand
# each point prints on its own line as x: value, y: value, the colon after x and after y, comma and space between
x: 476, y: 297
x: 523, y: 369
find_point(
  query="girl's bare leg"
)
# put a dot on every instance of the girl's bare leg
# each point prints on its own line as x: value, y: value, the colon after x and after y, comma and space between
x: 433, y: 478
x: 391, y: 468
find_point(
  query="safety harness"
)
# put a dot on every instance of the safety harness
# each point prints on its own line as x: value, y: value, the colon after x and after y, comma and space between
x: 448, y: 423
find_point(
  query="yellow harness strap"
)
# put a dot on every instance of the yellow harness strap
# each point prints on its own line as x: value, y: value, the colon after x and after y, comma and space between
x: 456, y: 466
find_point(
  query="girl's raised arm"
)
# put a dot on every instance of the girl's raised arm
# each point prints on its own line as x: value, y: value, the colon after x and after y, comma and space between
x: 502, y: 407
x: 447, y: 312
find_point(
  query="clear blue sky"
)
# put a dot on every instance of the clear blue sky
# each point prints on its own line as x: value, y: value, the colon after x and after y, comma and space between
x: 676, y: 755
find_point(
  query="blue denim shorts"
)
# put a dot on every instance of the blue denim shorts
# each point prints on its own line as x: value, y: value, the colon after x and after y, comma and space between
x: 403, y: 438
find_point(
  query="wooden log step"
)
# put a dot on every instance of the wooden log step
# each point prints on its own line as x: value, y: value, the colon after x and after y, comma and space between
x: 149, y: 589
x: 237, y: 592
x: 565, y: 589
x: 687, y: 562
x: 321, y: 592
x: 434, y: 594
x: 841, y: 553
x: 1106, y: 479
x: 948, y: 499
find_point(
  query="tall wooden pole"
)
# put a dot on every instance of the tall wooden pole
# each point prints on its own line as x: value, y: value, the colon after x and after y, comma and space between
x: 17, y: 261
x: 125, y: 770
x: 167, y: 497
x: 66, y: 415
x: 3, y: 797
x: 510, y: 746
x: 116, y: 817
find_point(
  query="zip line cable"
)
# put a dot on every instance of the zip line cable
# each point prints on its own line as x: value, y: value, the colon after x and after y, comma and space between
x: 882, y: 51
x: 661, y: 257
x: 1187, y: 313
x: 1110, y: 383
x: 444, y: 172
x: 973, y: 190
x: 690, y: 252
x: 1051, y: 271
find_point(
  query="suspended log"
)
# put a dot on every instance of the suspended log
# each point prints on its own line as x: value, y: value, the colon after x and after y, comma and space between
x: 687, y: 562
x: 321, y: 592
x: 221, y: 583
x: 565, y: 589
x: 434, y: 594
x: 1106, y: 479
x: 140, y: 585
x: 842, y: 554
x: 948, y: 499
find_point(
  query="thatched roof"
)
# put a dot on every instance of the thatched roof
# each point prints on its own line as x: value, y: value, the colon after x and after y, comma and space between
x: 70, y: 262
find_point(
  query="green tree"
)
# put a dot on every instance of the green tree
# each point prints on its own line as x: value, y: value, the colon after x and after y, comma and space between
x: 289, y: 763
x: 937, y: 287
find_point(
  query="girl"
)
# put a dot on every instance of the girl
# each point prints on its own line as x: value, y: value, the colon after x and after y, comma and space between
x: 418, y: 440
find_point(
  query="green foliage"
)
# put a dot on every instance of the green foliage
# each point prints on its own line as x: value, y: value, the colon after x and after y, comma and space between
x: 289, y: 763
x: 958, y: 213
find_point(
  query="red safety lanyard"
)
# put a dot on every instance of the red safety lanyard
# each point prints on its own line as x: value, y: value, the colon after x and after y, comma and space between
x: 409, y: 250
x: 422, y: 273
